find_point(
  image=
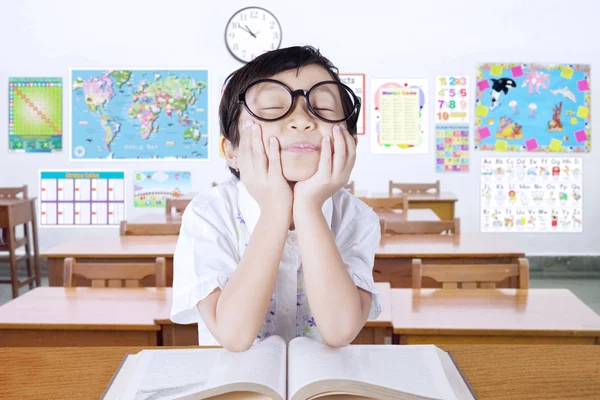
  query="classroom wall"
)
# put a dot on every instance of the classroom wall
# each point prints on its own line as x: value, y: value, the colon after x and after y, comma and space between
x: 385, y: 39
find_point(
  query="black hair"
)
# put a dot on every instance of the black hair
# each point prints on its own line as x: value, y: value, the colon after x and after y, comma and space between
x: 264, y: 66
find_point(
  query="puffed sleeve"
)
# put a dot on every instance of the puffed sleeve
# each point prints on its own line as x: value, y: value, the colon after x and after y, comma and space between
x: 205, y: 258
x: 357, y: 243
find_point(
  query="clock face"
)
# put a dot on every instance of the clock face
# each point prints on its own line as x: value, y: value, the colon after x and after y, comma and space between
x: 251, y: 32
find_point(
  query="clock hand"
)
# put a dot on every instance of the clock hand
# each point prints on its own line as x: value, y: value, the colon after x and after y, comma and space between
x: 250, y: 32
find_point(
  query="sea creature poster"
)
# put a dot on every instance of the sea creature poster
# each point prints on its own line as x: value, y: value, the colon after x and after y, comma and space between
x: 533, y: 108
x: 152, y: 189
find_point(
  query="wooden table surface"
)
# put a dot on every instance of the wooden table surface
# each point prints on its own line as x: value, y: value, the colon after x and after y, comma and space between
x: 465, y: 245
x: 155, y: 219
x: 412, y: 215
x: 115, y: 247
x: 497, y: 316
x: 495, y: 372
x: 425, y: 197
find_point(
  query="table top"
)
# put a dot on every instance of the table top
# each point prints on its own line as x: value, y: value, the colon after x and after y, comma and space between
x: 113, y: 308
x: 87, y: 308
x: 156, y: 219
x: 540, y: 312
x: 413, y: 215
x: 115, y: 247
x: 496, y: 372
x: 424, y: 197
x: 13, y: 202
x: 465, y: 245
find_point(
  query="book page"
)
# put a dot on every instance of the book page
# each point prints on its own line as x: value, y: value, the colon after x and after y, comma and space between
x: 171, y: 374
x: 410, y: 369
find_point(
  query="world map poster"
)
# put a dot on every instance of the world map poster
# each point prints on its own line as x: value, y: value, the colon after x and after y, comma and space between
x: 135, y: 114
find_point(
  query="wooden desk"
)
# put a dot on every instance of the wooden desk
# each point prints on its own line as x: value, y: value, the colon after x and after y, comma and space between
x: 155, y: 223
x: 111, y: 249
x: 15, y: 212
x: 57, y: 316
x: 411, y: 215
x: 374, y: 332
x: 442, y: 203
x: 488, y: 316
x: 83, y: 317
x: 394, y: 257
x: 495, y: 372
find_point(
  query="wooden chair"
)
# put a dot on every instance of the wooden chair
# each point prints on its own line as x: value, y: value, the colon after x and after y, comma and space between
x: 11, y: 217
x: 382, y: 205
x: 349, y: 187
x: 469, y: 276
x: 115, y: 275
x: 421, y: 188
x: 403, y: 227
x: 178, y: 204
x: 148, y: 229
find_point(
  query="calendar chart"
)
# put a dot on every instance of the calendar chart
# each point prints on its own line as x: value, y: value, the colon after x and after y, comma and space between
x: 82, y: 198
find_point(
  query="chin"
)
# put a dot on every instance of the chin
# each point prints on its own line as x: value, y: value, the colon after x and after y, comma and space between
x: 297, y: 172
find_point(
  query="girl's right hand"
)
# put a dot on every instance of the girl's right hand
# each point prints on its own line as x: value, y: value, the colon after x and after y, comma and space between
x: 260, y: 171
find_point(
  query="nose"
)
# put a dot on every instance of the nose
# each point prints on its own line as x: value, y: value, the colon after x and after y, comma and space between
x: 301, y: 118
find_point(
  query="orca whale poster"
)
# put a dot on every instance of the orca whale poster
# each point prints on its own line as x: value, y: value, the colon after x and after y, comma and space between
x: 533, y: 108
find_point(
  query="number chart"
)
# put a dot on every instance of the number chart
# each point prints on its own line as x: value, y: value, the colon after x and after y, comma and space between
x: 452, y: 99
x: 452, y: 148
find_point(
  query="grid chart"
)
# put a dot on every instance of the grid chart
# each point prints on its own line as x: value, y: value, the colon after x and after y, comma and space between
x: 35, y: 114
x: 82, y: 198
x: 452, y: 148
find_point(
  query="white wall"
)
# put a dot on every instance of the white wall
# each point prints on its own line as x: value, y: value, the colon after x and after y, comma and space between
x: 419, y: 39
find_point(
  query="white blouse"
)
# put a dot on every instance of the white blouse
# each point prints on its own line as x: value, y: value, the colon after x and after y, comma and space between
x: 215, y: 231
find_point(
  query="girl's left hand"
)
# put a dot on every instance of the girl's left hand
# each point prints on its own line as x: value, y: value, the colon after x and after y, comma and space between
x: 331, y: 176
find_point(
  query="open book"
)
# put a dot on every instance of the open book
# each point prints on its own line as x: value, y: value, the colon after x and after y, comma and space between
x: 303, y: 370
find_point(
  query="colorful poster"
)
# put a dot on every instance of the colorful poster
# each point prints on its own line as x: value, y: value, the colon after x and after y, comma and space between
x: 452, y: 148
x: 139, y: 114
x: 532, y: 194
x: 452, y: 95
x: 35, y: 115
x: 152, y: 189
x: 356, y: 82
x: 82, y: 198
x: 399, y: 116
x: 533, y: 107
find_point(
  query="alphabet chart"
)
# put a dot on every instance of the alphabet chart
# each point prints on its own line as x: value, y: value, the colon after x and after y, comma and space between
x: 532, y: 194
x: 452, y: 99
x: 452, y: 148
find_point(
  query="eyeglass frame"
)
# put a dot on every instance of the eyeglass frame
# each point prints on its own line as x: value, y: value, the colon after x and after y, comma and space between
x: 305, y: 94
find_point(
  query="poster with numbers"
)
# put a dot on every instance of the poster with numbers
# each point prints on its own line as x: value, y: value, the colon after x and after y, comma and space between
x: 399, y: 116
x: 452, y: 93
x: 82, y: 198
x: 356, y: 82
x: 532, y: 194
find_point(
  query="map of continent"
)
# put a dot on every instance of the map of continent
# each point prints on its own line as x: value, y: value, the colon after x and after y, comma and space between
x: 139, y: 114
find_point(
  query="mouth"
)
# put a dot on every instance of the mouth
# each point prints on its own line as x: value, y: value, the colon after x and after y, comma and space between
x: 301, y: 148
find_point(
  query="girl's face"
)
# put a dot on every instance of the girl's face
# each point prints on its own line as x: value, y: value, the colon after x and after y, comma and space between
x: 300, y: 133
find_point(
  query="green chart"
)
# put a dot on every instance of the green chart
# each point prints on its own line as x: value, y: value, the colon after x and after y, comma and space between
x: 35, y: 114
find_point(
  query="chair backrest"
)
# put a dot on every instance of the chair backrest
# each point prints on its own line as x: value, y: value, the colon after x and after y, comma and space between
x: 148, y: 229
x: 421, y: 188
x: 117, y: 274
x: 404, y: 227
x: 13, y: 192
x: 471, y: 276
x: 349, y: 187
x: 178, y: 204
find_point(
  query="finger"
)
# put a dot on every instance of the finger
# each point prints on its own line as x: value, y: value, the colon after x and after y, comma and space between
x: 274, y: 155
x: 259, y: 159
x: 339, y: 150
x: 245, y: 148
x: 325, y: 160
x: 350, y: 149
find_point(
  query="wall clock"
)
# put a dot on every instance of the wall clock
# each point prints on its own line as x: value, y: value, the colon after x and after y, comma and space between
x: 251, y: 32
